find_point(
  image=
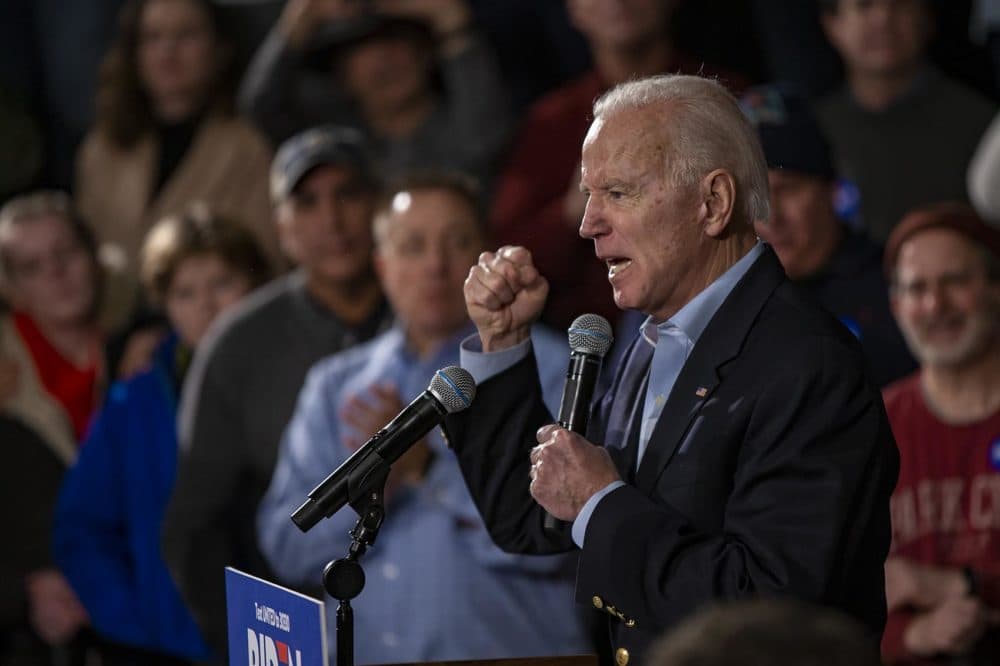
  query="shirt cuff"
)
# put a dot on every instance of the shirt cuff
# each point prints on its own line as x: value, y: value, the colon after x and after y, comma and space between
x: 483, y: 365
x: 583, y: 518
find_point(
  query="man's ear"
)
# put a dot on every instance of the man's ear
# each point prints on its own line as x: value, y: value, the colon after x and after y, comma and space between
x: 718, y: 202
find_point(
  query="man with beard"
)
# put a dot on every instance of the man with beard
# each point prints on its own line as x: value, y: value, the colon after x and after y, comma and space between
x: 943, y: 572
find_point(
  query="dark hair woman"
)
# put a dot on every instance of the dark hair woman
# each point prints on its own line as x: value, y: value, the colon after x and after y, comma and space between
x: 165, y: 133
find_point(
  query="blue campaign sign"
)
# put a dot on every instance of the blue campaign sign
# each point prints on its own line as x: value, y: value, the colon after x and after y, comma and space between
x: 270, y: 625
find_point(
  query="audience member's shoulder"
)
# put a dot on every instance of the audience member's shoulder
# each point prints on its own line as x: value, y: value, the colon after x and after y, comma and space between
x: 902, y: 395
x: 91, y: 144
x: 964, y: 99
x: 95, y: 148
x: 860, y: 257
x: 150, y: 384
x: 242, y: 133
x: 123, y: 392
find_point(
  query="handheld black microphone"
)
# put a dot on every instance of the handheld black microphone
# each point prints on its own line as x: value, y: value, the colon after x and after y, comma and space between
x: 590, y: 338
x: 451, y: 390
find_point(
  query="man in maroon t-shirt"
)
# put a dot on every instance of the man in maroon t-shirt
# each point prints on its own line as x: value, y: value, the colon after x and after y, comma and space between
x: 943, y: 571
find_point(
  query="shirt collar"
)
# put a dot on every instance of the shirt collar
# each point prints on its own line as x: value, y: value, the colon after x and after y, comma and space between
x: 693, y: 318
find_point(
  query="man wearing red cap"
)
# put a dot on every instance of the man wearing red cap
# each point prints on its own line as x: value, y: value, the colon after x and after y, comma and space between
x: 943, y: 572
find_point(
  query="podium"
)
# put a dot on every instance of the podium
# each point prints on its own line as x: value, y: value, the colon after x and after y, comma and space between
x: 574, y: 660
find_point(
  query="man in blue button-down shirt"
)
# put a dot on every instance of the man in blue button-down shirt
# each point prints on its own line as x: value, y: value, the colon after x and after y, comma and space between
x: 437, y: 588
x: 745, y: 451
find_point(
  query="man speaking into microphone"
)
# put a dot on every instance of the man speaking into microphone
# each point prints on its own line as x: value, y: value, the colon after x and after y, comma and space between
x: 743, y: 451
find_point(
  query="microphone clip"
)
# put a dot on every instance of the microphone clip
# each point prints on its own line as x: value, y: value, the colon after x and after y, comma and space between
x: 370, y: 507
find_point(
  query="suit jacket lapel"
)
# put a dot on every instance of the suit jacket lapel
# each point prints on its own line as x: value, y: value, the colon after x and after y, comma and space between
x: 720, y: 342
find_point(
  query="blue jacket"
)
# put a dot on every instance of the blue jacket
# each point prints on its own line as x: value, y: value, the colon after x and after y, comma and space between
x: 110, y: 510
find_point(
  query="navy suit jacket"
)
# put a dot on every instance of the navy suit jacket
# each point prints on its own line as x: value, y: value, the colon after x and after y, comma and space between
x: 768, y: 473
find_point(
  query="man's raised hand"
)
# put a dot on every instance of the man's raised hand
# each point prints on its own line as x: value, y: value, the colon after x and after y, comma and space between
x: 504, y: 295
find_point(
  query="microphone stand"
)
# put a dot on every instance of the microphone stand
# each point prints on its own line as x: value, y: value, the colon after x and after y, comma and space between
x: 344, y: 579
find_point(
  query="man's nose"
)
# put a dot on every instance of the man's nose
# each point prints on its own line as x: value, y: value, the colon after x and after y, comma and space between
x: 211, y: 308
x: 332, y: 213
x: 55, y: 266
x: 593, y: 223
x: 936, y: 298
x: 436, y: 260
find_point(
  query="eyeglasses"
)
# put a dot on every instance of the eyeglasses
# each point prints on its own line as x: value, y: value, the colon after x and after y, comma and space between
x: 58, y: 256
x: 919, y: 288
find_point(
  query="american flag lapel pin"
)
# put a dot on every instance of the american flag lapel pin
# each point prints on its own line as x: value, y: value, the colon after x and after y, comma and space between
x: 701, y: 392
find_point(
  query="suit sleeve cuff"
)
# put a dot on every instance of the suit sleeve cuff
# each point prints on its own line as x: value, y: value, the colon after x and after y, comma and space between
x: 483, y: 365
x: 583, y: 518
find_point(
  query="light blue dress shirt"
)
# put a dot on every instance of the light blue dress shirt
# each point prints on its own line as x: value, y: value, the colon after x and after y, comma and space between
x: 673, y: 341
x: 437, y: 587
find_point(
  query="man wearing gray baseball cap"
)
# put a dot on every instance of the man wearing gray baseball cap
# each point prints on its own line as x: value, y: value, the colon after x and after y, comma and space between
x: 242, y: 386
x: 329, y: 145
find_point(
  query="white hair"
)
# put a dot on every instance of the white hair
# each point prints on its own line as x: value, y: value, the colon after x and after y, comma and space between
x: 708, y: 131
x: 40, y: 203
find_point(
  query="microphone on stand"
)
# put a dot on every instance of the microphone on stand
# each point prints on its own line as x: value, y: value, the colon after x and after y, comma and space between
x: 451, y: 390
x: 590, y: 338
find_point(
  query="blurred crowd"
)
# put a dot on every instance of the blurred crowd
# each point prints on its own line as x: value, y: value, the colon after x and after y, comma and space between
x: 233, y: 241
